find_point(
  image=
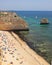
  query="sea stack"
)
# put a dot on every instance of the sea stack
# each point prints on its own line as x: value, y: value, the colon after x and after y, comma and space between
x: 44, y: 21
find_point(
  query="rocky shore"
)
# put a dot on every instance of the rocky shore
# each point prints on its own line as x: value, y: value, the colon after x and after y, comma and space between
x: 14, y: 51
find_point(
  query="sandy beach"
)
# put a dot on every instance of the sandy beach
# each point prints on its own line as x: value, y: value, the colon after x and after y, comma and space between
x: 14, y: 51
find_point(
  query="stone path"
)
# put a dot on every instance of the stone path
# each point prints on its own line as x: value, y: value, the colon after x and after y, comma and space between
x: 14, y: 51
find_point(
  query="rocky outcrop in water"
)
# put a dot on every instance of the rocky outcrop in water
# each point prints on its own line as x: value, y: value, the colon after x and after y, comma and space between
x: 44, y: 21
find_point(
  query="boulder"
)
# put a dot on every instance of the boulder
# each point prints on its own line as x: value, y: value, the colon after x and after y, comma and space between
x: 44, y: 21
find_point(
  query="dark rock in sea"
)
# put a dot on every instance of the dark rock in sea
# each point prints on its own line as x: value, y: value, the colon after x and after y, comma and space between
x: 44, y: 21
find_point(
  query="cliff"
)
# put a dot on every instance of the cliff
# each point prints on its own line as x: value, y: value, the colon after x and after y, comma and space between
x: 14, y: 51
x: 11, y: 21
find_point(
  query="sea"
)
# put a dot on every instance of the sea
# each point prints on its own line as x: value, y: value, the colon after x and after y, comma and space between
x: 40, y: 36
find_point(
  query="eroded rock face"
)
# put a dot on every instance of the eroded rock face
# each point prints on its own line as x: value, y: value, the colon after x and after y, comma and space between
x: 11, y: 21
x: 44, y: 21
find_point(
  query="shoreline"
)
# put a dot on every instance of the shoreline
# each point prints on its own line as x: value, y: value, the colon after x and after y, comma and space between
x: 31, y: 45
x: 26, y: 44
x: 25, y: 55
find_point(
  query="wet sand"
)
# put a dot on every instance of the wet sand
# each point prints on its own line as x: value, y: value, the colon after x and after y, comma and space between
x: 14, y: 51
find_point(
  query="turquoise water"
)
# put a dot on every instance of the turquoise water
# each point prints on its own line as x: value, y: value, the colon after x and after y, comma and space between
x: 39, y: 35
x: 39, y: 32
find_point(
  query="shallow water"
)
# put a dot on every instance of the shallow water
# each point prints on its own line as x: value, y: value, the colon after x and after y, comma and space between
x: 39, y: 35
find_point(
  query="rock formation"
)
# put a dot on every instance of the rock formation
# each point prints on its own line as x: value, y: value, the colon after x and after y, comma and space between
x: 15, y: 51
x: 44, y: 21
x: 11, y: 21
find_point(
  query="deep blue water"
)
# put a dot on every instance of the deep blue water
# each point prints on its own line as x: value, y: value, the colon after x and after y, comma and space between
x: 35, y: 13
x: 38, y: 34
